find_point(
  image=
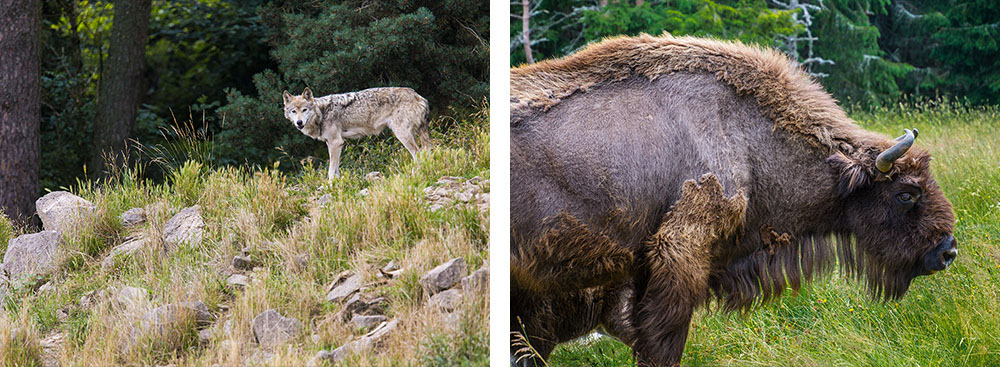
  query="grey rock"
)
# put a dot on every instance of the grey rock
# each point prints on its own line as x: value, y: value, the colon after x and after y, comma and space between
x: 238, y: 280
x: 132, y: 298
x: 164, y: 324
x: 272, y: 330
x: 242, y: 262
x: 443, y: 276
x: 205, y: 336
x: 391, y: 266
x: 366, y: 342
x: 344, y: 287
x: 36, y: 253
x: 46, y: 288
x: 133, y: 217
x: 364, y: 192
x: 452, y: 320
x: 447, y: 300
x: 324, y: 200
x: 478, y: 281
x: 367, y: 322
x: 301, y: 261
x: 61, y: 211
x: 127, y: 248
x: 184, y: 227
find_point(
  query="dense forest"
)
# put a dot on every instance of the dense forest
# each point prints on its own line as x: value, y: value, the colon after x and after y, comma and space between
x: 156, y: 81
x: 865, y: 52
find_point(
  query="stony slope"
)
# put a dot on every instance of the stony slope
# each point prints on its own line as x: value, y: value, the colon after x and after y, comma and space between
x: 238, y: 266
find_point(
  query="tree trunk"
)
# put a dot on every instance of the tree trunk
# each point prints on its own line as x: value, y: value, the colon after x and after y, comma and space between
x: 121, y: 85
x: 20, y: 111
x: 526, y: 30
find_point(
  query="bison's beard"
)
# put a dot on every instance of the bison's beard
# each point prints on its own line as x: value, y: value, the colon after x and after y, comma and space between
x: 764, y: 274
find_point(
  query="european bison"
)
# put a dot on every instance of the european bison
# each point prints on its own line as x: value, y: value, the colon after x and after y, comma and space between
x: 610, y: 229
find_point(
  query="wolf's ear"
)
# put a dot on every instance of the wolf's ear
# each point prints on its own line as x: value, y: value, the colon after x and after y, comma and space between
x: 286, y: 96
x: 307, y: 94
x: 851, y: 175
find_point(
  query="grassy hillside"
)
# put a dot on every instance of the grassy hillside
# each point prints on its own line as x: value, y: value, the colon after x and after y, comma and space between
x: 948, y: 319
x: 299, y: 245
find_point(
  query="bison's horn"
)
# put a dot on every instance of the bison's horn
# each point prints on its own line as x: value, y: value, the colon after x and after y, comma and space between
x: 903, y: 143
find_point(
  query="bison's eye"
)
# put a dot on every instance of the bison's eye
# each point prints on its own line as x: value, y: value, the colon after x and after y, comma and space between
x: 906, y: 198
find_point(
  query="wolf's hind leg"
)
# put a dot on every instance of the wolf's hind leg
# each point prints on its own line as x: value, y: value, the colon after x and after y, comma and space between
x: 405, y: 135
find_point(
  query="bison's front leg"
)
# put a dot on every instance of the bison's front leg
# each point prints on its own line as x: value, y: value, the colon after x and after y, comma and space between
x: 678, y: 263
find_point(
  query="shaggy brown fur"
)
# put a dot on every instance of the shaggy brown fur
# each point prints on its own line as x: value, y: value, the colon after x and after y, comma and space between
x: 788, y: 95
x: 679, y: 263
x: 601, y: 142
x: 569, y: 257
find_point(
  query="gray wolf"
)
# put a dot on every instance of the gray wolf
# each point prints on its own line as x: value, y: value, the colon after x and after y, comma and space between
x: 651, y: 174
x: 336, y: 117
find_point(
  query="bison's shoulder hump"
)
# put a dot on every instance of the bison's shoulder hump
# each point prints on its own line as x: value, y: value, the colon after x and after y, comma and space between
x: 787, y: 95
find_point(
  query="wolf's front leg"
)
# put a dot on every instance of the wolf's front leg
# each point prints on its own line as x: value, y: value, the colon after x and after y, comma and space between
x: 334, y: 146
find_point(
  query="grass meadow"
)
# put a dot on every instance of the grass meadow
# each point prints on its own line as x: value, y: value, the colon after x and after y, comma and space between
x: 947, y: 319
x: 274, y: 216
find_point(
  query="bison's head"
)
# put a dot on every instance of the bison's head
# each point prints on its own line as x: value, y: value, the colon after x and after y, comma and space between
x: 900, y: 220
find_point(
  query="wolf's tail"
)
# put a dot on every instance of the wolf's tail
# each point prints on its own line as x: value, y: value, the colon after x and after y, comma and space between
x: 424, y: 130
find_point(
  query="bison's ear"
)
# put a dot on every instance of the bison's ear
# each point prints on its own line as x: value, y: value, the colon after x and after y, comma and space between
x: 286, y: 96
x: 851, y: 174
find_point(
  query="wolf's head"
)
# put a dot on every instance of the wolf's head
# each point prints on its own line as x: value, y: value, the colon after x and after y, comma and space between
x: 301, y: 110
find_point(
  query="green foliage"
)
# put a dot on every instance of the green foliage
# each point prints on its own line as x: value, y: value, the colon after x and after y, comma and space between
x: 862, y: 73
x: 560, y: 27
x: 438, y: 48
x: 6, y: 233
x: 195, y: 50
x: 747, y: 21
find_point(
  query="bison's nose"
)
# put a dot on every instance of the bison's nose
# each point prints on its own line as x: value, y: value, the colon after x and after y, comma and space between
x: 942, y: 256
x: 949, y: 255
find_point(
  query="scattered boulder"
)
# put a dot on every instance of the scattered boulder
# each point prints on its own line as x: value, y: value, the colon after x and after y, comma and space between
x: 133, y: 217
x: 478, y: 281
x: 127, y: 248
x: 391, y: 266
x: 451, y: 320
x: 36, y: 253
x: 164, y: 324
x: 450, y: 190
x: 358, y: 305
x: 205, y: 336
x: 366, y: 342
x: 324, y: 200
x: 345, y: 285
x: 446, y: 301
x: 272, y: 330
x: 238, y: 280
x: 443, y: 276
x: 242, y: 262
x: 184, y: 227
x: 367, y: 322
x: 61, y: 211
x: 132, y: 298
x: 364, y: 192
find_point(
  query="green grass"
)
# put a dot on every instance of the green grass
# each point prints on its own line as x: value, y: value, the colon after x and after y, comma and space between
x: 948, y: 319
x: 272, y: 214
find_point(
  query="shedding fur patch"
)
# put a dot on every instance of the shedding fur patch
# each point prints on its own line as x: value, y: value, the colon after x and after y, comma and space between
x: 570, y: 256
x: 787, y: 94
x: 678, y: 256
